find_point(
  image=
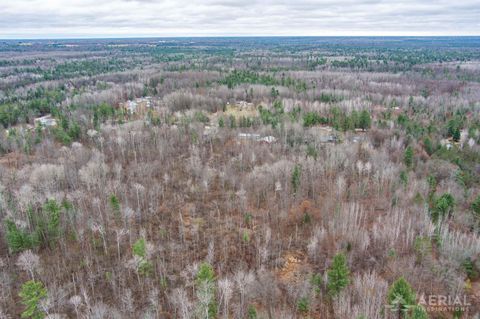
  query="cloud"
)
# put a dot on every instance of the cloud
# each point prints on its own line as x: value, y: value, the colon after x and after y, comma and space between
x: 117, y: 18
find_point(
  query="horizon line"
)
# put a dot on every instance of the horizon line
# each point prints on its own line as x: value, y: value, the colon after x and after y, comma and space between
x: 115, y: 37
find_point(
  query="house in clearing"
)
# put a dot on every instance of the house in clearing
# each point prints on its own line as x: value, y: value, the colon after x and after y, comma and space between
x: 249, y: 136
x: 268, y: 139
x: 244, y: 105
x: 131, y: 107
x: 137, y: 106
x: 257, y: 138
x: 45, y: 121
x: 447, y: 143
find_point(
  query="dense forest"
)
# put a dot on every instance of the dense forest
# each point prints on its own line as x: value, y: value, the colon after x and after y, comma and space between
x: 259, y: 178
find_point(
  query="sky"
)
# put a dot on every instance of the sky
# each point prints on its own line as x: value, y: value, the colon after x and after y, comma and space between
x: 163, y: 18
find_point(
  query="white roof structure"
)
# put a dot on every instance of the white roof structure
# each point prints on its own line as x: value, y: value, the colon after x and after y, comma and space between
x: 46, y: 120
x: 257, y: 137
x: 268, y: 139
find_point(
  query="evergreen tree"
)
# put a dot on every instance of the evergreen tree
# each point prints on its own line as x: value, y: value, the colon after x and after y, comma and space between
x: 401, y: 297
x: 32, y: 293
x: 296, y: 174
x: 443, y: 207
x: 115, y: 205
x: 453, y: 129
x: 355, y: 119
x: 476, y: 207
x: 456, y: 134
x: 139, y: 249
x: 428, y: 145
x: 365, y: 120
x: 17, y: 239
x: 206, y: 291
x: 52, y: 211
x: 233, y: 121
x: 408, y: 157
x: 338, y: 275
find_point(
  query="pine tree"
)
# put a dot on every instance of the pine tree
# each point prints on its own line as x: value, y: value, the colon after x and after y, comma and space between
x: 428, y: 145
x: 206, y: 291
x: 476, y: 207
x: 139, y: 249
x: 17, y: 239
x: 52, y: 210
x: 338, y: 275
x: 456, y: 134
x: 408, y: 157
x: 115, y: 205
x: 443, y: 207
x: 296, y: 178
x: 221, y: 122
x: 32, y: 293
x: 401, y: 297
x: 364, y: 121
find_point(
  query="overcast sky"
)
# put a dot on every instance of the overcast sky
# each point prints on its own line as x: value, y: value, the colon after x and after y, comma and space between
x: 120, y: 18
